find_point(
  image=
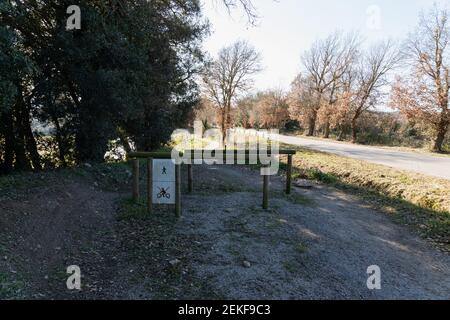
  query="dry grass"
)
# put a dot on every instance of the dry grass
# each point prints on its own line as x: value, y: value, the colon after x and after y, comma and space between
x: 418, y: 200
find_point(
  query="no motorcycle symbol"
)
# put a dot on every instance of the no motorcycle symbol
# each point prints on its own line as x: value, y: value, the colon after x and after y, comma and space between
x: 163, y: 181
x: 163, y: 193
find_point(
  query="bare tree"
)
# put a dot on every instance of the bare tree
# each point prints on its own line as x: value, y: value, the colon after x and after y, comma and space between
x: 425, y: 94
x: 246, y: 5
x: 206, y: 112
x: 344, y: 102
x: 244, y: 110
x: 273, y: 109
x: 265, y: 109
x: 325, y: 63
x: 371, y: 77
x: 230, y: 75
x: 302, y: 100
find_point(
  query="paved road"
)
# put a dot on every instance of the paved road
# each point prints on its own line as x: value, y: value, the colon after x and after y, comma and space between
x: 427, y: 164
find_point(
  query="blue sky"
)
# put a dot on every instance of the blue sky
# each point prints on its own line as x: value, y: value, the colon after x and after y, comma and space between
x: 287, y: 28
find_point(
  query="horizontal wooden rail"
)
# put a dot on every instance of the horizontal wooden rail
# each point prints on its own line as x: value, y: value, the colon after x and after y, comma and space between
x: 210, y: 155
x: 145, y: 155
x: 247, y: 153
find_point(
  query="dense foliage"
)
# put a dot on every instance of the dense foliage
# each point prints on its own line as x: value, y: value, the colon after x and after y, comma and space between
x: 127, y: 74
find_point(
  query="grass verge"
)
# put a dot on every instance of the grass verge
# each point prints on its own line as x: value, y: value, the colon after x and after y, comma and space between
x: 108, y: 176
x: 414, y: 199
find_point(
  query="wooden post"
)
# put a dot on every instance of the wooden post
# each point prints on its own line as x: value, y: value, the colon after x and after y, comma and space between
x: 289, y: 175
x: 149, y: 185
x: 135, y: 193
x: 266, y: 191
x: 190, y: 178
x: 178, y: 190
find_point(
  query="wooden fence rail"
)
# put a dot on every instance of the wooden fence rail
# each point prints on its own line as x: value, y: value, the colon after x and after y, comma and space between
x: 206, y: 155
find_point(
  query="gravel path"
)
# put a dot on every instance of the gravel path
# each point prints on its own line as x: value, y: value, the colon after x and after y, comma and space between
x: 317, y: 249
x: 314, y: 244
x: 431, y: 165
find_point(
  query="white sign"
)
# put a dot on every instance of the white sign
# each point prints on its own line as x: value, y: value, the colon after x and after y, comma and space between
x: 163, y: 182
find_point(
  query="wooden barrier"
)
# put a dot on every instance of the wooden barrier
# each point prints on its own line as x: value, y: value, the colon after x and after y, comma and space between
x: 266, y: 182
x: 150, y: 185
x: 190, y: 178
x: 289, y: 174
x: 206, y: 155
x: 178, y: 190
x: 135, y: 190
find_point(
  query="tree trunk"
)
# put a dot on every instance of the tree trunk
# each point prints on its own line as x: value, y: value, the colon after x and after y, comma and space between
x: 31, y: 144
x: 441, y: 132
x: 326, y: 134
x: 354, y: 130
x: 123, y: 137
x: 228, y: 119
x: 25, y: 135
x: 312, y: 125
x: 92, y: 142
x: 354, y: 125
x: 9, y: 142
x: 222, y: 125
x: 21, y: 162
x: 341, y: 134
x: 59, y: 141
x: 32, y: 147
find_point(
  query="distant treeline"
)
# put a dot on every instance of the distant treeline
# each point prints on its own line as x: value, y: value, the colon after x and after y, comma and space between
x: 272, y: 109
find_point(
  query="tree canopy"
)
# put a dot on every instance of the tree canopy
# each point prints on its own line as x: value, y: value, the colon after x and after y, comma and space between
x: 127, y: 73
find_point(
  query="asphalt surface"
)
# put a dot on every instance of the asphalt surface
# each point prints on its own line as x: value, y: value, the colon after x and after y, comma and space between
x: 430, y: 165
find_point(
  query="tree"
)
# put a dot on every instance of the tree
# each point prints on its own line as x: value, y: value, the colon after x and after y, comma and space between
x: 265, y: 109
x: 229, y: 76
x: 17, y: 142
x: 273, y: 109
x: 245, y: 115
x: 129, y: 73
x: 325, y: 63
x: 302, y: 100
x: 340, y: 82
x: 246, y: 5
x: 206, y: 112
x: 371, y: 77
x: 424, y: 94
x: 345, y: 102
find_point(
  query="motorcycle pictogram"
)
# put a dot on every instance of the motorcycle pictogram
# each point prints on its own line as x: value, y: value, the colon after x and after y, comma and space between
x: 163, y: 193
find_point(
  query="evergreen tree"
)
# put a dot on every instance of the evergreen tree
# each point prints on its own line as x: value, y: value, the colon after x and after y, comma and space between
x: 128, y: 73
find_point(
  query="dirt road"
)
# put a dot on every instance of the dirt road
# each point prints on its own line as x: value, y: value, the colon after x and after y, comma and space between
x: 315, y: 244
x: 431, y: 165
